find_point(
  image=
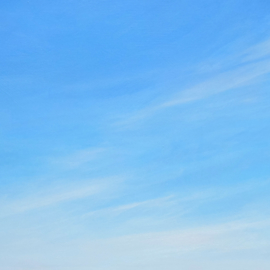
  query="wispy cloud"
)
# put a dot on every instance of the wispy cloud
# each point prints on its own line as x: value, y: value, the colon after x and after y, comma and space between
x: 53, y: 196
x: 177, y: 204
x: 213, y: 236
x: 224, y: 82
x: 249, y: 67
x: 78, y: 158
x: 259, y: 51
x: 147, y: 204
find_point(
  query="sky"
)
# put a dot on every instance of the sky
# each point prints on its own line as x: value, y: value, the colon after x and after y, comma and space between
x: 134, y: 135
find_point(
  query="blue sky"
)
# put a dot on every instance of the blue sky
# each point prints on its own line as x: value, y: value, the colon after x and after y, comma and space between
x: 134, y: 135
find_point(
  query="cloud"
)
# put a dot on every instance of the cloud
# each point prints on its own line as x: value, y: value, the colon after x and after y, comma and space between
x: 226, y: 81
x: 142, y: 205
x: 249, y: 67
x: 175, y: 205
x: 204, y: 237
x: 53, y: 196
x: 257, y: 52
x: 152, y: 250
x: 78, y: 158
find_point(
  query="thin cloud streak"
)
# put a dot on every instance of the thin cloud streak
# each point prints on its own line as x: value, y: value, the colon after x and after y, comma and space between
x: 257, y: 52
x: 226, y: 81
x: 246, y: 74
x: 147, y: 204
x: 52, y: 197
x: 177, y: 204
x: 78, y: 159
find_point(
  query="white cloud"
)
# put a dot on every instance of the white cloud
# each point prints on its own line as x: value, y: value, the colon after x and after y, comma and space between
x: 242, y: 72
x: 79, y: 158
x: 53, y: 196
x: 257, y: 52
x: 226, y: 81
x: 147, y: 204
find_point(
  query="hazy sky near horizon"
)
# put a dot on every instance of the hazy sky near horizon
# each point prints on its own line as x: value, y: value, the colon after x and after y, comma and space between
x: 134, y: 135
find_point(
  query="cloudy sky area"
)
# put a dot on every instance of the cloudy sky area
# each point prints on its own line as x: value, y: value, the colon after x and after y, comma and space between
x: 134, y: 135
